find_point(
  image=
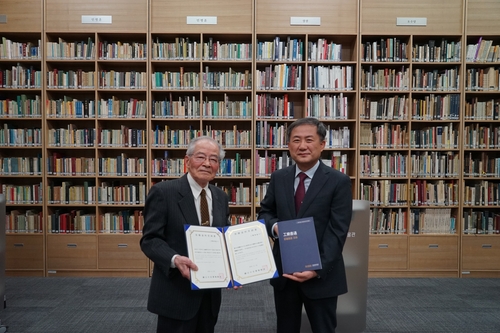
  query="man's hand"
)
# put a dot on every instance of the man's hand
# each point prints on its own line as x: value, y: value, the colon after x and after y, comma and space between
x: 184, y: 264
x: 301, y: 276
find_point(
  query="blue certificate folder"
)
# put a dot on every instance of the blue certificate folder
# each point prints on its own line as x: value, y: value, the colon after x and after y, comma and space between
x: 299, y: 245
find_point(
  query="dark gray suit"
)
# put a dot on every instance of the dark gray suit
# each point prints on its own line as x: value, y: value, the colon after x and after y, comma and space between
x: 329, y: 201
x: 170, y: 205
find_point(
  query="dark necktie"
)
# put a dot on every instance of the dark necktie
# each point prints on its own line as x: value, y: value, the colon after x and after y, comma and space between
x: 205, y: 215
x: 300, y: 192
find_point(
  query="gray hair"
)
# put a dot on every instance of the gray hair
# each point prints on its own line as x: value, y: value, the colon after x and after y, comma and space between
x: 192, y: 146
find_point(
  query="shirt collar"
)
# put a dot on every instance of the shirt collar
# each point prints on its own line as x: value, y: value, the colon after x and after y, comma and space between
x: 196, y: 188
x: 310, y: 172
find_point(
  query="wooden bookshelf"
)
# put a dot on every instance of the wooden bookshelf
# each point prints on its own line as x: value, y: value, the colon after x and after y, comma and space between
x: 139, y: 106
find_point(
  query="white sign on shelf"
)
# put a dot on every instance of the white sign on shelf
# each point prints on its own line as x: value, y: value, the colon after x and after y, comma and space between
x: 299, y: 20
x: 413, y: 21
x: 201, y: 20
x: 3, y: 18
x: 97, y: 19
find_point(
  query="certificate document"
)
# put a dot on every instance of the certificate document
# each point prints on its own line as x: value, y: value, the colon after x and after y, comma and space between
x: 230, y: 256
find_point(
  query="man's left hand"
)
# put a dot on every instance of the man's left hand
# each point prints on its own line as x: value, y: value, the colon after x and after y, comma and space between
x: 301, y: 276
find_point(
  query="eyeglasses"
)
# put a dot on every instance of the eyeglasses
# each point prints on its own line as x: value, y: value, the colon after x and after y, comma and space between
x: 200, y: 158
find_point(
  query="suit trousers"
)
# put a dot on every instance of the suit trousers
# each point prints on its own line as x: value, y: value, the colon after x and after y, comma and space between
x: 203, y: 322
x: 322, y: 312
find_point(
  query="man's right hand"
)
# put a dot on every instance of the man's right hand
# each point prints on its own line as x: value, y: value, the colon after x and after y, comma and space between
x: 184, y: 265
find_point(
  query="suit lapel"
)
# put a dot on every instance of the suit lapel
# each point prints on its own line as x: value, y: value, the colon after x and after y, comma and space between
x: 289, y: 190
x: 186, y: 203
x: 318, y: 181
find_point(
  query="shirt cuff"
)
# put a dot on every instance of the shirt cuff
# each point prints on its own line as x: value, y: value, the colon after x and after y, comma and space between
x: 172, y: 264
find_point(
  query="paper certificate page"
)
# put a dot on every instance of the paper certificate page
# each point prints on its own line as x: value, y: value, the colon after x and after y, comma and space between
x: 250, y: 253
x: 206, y: 248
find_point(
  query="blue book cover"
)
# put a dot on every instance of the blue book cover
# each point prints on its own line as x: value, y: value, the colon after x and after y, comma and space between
x: 299, y: 245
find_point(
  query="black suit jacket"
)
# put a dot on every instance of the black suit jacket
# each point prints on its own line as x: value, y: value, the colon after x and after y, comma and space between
x: 170, y: 205
x: 329, y: 201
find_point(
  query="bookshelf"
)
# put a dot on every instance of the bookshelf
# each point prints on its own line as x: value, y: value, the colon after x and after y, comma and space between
x: 202, y: 85
x: 305, y: 65
x: 100, y: 111
x: 21, y: 149
x: 481, y: 214
x: 410, y: 125
x: 96, y: 137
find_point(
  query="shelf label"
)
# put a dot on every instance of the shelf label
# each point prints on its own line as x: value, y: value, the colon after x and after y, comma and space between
x: 418, y: 21
x: 3, y: 18
x: 97, y: 19
x: 303, y: 20
x: 201, y: 20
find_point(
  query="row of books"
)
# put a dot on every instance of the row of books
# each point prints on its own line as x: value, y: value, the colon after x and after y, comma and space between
x: 72, y: 222
x: 23, y: 165
x: 57, y: 165
x: 478, y: 136
x: 384, y: 50
x: 435, y: 164
x: 481, y: 222
x: 182, y: 48
x: 279, y: 77
x: 480, y: 109
x: 435, y: 137
x: 163, y: 136
x: 175, y: 80
x: 434, y: 193
x: 238, y: 194
x: 432, y: 221
x: 176, y: 167
x: 481, y: 166
x: 123, y: 221
x: 227, y: 80
x: 28, y: 221
x: 433, y: 51
x: 388, y: 108
x: 483, y: 51
x: 19, y: 50
x: 384, y: 193
x: 386, y: 135
x: 291, y: 49
x: 482, y: 79
x: 70, y: 79
x: 23, y: 194
x: 388, y: 221
x: 328, y: 107
x: 122, y: 166
x: 122, y: 50
x: 324, y: 50
x: 123, y: 137
x: 111, y: 79
x: 436, y: 107
x: 69, y: 107
x: 20, y: 137
x: 482, y: 193
x: 338, y: 78
x: 276, y: 107
x: 21, y: 106
x: 436, y: 80
x: 385, y: 79
x: 21, y: 77
x: 73, y: 50
x: 383, y: 165
x: 215, y: 50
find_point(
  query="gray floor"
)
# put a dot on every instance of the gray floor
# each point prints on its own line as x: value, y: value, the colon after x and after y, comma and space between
x: 107, y: 305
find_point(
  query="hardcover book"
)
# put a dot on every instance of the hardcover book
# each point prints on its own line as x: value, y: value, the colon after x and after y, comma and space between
x: 299, y: 245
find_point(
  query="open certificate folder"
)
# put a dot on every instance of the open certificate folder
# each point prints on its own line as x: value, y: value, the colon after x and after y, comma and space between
x: 230, y: 256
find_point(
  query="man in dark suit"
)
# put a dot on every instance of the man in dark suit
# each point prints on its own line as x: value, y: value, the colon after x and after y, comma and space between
x: 328, y: 199
x: 170, y: 205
